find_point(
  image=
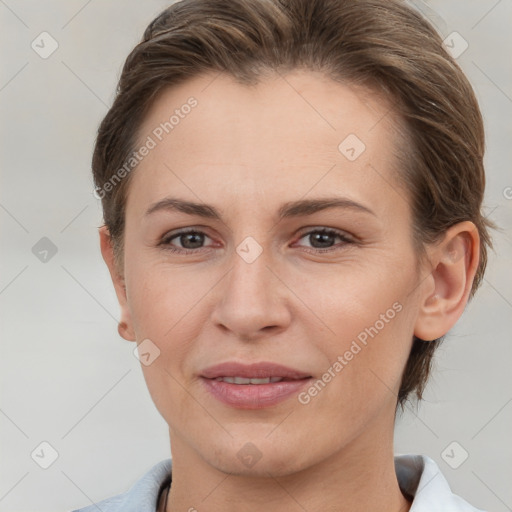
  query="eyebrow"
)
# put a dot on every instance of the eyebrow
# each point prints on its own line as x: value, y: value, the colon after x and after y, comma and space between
x: 287, y: 210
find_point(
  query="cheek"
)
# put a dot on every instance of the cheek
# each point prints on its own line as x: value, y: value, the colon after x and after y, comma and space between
x: 352, y: 299
x: 367, y: 322
x: 167, y: 306
x: 163, y: 300
x: 165, y: 309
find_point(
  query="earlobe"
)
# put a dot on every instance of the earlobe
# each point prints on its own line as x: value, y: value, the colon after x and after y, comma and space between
x: 125, y: 326
x: 125, y: 331
x: 455, y: 261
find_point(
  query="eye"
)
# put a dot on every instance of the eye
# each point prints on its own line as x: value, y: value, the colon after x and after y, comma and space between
x: 189, y: 240
x: 322, y: 239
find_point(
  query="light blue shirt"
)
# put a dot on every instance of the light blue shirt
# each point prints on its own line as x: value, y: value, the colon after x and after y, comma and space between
x: 418, y: 476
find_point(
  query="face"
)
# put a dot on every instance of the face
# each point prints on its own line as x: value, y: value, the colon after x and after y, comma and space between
x: 298, y: 253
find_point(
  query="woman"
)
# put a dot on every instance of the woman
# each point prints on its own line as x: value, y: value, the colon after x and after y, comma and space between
x: 292, y: 196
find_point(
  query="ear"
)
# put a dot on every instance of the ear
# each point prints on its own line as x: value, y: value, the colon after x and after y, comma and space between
x: 454, y: 261
x: 125, y: 327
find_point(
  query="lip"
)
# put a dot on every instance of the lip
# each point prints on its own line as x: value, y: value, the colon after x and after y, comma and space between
x: 260, y: 370
x: 253, y: 396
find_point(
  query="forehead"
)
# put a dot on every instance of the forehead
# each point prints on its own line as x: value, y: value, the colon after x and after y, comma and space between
x: 288, y: 133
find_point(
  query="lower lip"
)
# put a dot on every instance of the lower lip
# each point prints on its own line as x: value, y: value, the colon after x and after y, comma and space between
x: 254, y: 396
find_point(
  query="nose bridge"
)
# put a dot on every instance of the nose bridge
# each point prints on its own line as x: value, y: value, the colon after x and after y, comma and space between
x: 250, y: 275
x: 252, y: 296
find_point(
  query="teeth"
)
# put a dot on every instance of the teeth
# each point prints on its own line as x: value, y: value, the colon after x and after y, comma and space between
x: 244, y: 380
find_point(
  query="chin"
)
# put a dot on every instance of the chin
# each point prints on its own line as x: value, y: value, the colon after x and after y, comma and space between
x: 277, y: 465
x: 254, y: 455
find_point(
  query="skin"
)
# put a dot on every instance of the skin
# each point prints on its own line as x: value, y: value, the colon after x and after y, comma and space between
x: 246, y: 151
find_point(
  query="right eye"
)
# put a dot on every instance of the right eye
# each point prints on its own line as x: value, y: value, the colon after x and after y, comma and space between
x: 190, y: 240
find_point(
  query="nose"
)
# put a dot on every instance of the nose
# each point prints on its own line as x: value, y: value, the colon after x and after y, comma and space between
x: 253, y: 300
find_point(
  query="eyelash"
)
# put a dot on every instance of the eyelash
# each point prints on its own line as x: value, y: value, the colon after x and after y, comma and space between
x: 324, y: 231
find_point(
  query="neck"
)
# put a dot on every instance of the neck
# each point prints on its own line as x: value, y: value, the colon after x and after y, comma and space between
x: 357, y: 478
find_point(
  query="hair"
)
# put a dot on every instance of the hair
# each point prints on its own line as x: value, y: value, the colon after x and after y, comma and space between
x: 384, y: 45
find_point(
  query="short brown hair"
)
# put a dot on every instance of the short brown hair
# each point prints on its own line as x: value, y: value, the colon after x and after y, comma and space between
x: 382, y: 44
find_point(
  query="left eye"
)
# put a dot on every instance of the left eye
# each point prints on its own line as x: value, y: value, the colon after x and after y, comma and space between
x: 323, y: 239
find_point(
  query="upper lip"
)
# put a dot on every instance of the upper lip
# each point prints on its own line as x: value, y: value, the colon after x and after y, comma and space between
x: 259, y: 370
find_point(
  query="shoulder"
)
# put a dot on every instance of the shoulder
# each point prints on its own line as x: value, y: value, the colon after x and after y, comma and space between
x: 142, y: 496
x: 420, y: 477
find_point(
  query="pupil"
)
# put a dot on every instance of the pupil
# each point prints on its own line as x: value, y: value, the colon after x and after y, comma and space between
x: 187, y: 237
x: 323, y: 238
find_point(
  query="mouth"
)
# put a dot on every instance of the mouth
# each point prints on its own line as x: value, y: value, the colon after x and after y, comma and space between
x: 253, y: 386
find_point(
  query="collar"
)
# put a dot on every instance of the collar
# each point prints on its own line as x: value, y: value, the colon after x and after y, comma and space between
x: 420, y: 477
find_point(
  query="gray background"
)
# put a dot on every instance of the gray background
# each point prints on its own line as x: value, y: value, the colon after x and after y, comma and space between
x: 67, y: 378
